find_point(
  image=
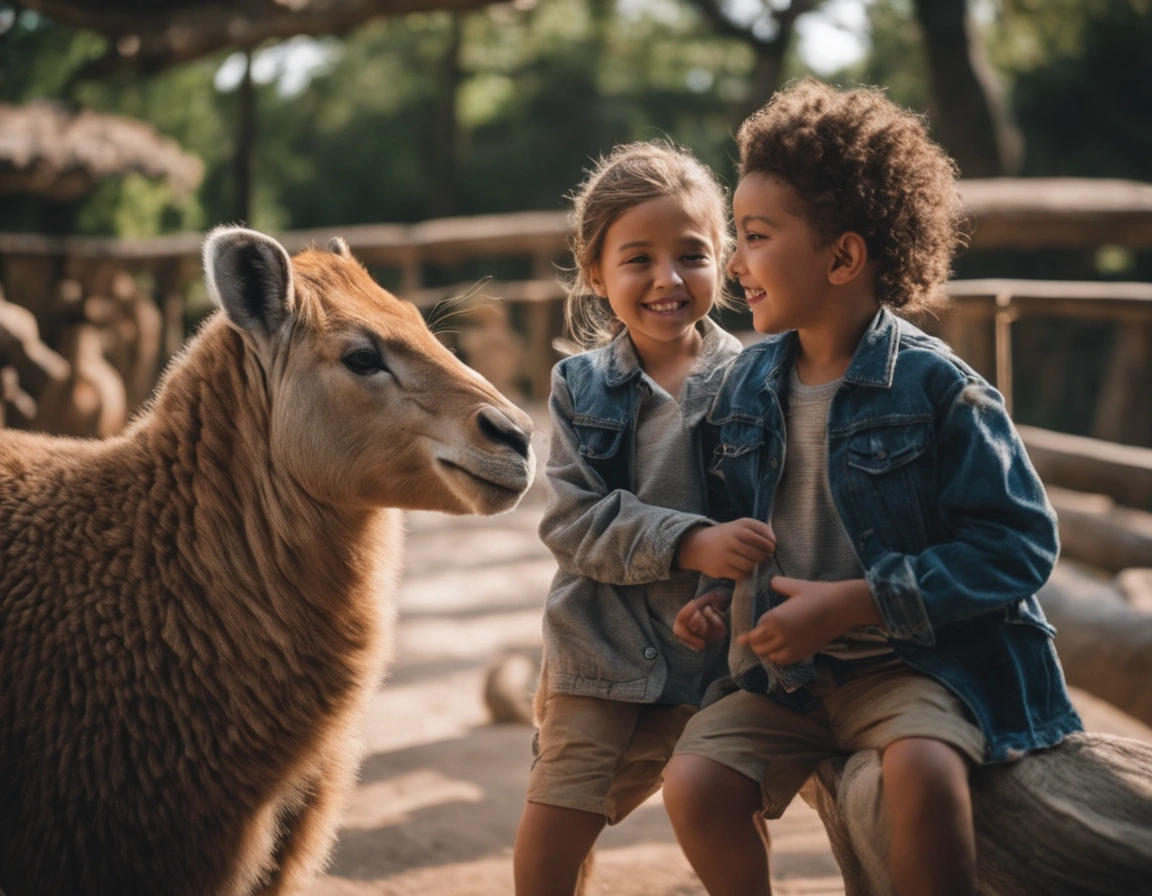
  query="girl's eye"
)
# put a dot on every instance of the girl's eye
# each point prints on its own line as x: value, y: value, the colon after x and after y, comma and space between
x: 363, y: 362
x: 637, y: 259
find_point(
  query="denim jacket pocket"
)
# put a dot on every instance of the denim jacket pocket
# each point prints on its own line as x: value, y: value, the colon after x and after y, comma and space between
x: 599, y: 438
x: 737, y: 438
x: 883, y: 449
x: 890, y: 477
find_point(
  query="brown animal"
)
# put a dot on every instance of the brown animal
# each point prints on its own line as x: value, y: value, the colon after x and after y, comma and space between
x: 194, y: 613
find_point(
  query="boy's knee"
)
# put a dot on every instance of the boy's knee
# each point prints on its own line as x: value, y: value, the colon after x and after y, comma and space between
x: 682, y: 787
x: 697, y: 789
x: 925, y: 768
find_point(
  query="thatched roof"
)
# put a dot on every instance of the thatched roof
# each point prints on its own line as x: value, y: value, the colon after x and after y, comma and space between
x: 52, y: 151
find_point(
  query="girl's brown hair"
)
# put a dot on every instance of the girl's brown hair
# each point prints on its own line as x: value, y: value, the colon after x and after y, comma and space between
x: 630, y: 174
x: 858, y: 162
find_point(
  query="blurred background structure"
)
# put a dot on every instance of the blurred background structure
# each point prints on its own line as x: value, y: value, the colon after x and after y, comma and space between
x: 439, y: 138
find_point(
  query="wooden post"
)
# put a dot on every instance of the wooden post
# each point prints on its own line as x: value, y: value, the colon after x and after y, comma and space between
x: 540, y: 354
x: 1005, y: 314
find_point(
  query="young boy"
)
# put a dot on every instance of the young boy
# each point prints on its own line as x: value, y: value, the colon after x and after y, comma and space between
x: 913, y: 530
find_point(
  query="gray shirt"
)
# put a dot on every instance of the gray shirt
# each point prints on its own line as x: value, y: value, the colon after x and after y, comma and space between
x: 810, y: 539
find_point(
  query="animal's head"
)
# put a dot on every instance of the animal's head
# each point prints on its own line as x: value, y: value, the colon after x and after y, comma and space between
x: 367, y: 407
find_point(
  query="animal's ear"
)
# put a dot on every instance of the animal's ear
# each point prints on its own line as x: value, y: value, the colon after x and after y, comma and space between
x: 337, y: 246
x: 249, y: 275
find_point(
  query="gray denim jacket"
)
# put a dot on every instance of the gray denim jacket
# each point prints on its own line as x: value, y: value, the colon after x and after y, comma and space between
x: 599, y: 636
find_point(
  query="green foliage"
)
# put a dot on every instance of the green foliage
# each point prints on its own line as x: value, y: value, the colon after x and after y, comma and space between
x: 542, y: 90
x: 1088, y: 111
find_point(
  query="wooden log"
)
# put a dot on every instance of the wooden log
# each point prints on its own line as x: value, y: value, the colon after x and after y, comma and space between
x: 1073, y: 820
x: 1096, y: 530
x: 1123, y: 472
x: 1104, y: 643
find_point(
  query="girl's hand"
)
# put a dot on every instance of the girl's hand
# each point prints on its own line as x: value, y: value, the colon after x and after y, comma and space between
x: 699, y: 622
x: 813, y: 613
x: 727, y: 550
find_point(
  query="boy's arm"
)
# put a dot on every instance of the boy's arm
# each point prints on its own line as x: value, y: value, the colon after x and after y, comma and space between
x: 1004, y: 542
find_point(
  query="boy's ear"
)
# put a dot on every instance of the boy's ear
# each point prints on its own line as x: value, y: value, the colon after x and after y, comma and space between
x: 849, y: 255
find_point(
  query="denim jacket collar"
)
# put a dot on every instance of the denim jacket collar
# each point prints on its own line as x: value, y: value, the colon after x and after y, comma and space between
x: 873, y: 363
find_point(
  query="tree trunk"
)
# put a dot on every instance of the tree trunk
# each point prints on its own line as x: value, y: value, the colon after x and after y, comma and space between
x: 445, y: 125
x: 968, y: 112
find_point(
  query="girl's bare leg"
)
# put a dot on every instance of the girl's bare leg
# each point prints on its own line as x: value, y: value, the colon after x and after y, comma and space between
x: 551, y: 845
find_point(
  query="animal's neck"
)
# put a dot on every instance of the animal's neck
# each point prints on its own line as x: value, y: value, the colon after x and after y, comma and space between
x: 211, y: 423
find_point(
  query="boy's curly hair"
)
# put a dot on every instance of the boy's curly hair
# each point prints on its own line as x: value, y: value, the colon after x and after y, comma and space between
x: 859, y: 162
x: 630, y: 174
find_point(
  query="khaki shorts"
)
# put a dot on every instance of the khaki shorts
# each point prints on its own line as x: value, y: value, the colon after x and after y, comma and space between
x: 861, y: 707
x: 602, y: 756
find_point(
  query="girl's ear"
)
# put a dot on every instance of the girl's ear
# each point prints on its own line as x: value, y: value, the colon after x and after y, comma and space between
x: 849, y: 255
x: 597, y: 282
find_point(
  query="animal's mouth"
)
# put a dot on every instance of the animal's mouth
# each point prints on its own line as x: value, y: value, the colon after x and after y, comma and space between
x: 509, y: 482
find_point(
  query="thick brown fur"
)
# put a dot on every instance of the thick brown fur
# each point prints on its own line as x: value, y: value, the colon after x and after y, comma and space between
x: 194, y: 614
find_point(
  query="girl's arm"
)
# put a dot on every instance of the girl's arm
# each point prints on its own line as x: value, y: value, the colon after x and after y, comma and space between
x: 1004, y: 543
x: 610, y: 536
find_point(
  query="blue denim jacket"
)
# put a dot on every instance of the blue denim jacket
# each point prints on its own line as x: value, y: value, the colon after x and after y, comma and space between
x: 602, y: 638
x: 943, y: 508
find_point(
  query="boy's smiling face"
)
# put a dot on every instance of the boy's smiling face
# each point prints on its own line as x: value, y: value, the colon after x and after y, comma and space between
x: 784, y: 274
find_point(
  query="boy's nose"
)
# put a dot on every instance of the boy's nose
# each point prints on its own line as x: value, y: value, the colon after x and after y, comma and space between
x: 732, y: 269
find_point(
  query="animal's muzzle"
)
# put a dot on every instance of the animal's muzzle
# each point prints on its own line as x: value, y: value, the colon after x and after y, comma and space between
x: 499, y: 428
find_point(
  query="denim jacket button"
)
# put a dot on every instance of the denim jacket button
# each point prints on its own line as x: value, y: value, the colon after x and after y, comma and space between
x: 649, y: 653
x: 881, y: 454
x: 772, y: 463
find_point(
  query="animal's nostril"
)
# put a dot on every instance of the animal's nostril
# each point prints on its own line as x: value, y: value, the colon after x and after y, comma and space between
x: 499, y: 428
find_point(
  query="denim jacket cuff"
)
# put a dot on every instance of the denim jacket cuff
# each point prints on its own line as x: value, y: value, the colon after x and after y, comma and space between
x: 897, y: 592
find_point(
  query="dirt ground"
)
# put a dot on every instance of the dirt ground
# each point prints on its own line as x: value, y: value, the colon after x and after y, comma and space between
x: 442, y: 789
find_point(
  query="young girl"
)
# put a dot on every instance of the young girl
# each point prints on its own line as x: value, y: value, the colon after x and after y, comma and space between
x: 913, y: 530
x: 626, y: 511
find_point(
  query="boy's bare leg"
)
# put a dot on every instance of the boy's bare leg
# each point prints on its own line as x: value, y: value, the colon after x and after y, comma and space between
x: 551, y: 845
x: 933, y: 850
x: 713, y: 810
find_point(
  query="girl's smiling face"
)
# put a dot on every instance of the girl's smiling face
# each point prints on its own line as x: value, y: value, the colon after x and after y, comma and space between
x: 778, y: 260
x: 658, y: 270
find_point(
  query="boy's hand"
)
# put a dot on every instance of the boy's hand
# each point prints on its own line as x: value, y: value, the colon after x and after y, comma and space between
x: 813, y: 613
x: 699, y: 622
x: 727, y: 550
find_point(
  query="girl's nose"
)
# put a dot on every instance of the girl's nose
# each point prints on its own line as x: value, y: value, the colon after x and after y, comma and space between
x: 668, y: 276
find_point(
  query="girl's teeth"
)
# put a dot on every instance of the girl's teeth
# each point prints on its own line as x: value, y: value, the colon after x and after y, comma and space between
x: 664, y: 306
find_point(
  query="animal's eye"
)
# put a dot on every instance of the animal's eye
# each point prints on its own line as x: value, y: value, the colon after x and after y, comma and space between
x: 363, y: 361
